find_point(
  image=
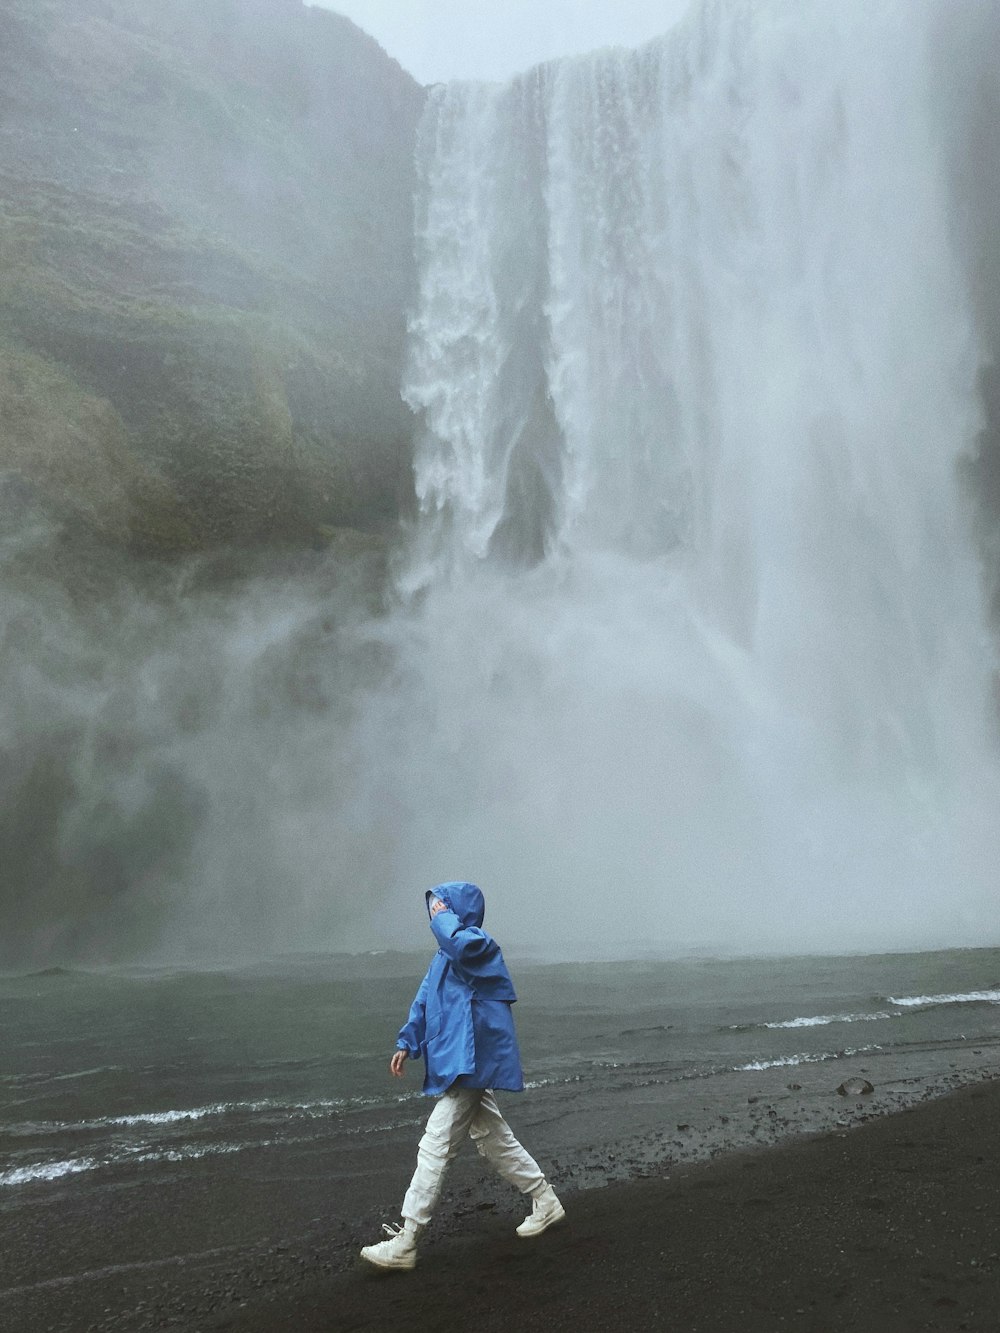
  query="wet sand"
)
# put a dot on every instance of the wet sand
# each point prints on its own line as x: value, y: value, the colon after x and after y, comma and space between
x: 762, y: 1200
x: 891, y: 1225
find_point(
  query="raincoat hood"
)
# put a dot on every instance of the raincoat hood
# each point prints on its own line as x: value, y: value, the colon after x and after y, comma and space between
x: 465, y: 900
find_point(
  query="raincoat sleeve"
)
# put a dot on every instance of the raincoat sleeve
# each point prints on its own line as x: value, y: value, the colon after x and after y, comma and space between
x: 413, y: 1032
x: 462, y: 944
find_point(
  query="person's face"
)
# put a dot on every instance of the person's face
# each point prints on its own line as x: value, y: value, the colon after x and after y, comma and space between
x: 437, y: 905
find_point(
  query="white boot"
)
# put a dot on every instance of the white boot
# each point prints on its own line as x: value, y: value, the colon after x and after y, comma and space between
x: 399, y: 1251
x: 545, y: 1210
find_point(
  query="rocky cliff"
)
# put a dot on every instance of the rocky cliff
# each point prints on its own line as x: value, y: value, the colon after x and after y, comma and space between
x: 205, y: 260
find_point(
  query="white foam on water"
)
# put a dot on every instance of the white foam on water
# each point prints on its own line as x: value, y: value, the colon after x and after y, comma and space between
x: 24, y: 1175
x: 926, y: 1001
x: 175, y: 1116
x: 782, y: 1060
x: 188, y: 1115
x: 533, y: 1083
x: 823, y: 1020
x: 804, y: 1058
x: 321, y: 1106
x: 37, y: 1172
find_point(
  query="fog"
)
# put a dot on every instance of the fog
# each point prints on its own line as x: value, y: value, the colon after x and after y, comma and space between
x: 438, y: 40
x: 685, y: 643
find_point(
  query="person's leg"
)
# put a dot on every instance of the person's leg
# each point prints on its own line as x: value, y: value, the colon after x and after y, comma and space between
x: 446, y: 1129
x: 495, y: 1141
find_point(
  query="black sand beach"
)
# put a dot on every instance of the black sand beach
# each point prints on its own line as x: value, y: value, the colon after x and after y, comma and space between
x: 890, y: 1224
x: 894, y: 1225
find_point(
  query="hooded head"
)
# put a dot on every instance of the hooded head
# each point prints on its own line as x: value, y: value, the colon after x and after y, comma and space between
x: 465, y: 900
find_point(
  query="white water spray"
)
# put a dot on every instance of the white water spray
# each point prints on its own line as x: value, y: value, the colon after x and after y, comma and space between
x: 691, y: 650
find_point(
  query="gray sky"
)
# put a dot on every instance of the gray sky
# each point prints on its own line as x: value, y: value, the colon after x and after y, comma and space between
x: 491, y: 39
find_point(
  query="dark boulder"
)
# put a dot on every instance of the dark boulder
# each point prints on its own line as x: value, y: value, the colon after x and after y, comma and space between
x: 855, y: 1087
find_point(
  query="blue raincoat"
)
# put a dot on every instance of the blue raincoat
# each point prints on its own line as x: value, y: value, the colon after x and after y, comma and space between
x: 460, y: 1020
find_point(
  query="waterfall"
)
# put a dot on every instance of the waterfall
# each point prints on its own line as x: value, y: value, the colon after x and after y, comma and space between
x: 690, y: 648
x: 685, y: 644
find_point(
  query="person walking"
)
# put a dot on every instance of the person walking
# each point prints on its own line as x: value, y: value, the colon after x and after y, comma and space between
x: 460, y: 1024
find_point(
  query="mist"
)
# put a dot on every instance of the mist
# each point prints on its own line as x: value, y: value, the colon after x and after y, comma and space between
x: 697, y: 655
x: 682, y: 639
x: 442, y: 40
x: 177, y: 778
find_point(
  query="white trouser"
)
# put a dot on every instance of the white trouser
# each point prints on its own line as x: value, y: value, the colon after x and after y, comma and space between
x: 462, y: 1111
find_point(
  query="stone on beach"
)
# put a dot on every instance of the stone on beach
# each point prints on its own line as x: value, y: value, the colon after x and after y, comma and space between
x: 855, y: 1087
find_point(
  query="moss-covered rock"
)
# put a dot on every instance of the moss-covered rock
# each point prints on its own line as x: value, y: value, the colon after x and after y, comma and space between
x: 205, y: 260
x: 71, y: 448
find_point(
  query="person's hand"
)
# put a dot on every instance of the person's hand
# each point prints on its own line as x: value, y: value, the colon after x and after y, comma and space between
x: 438, y: 906
x: 397, y: 1062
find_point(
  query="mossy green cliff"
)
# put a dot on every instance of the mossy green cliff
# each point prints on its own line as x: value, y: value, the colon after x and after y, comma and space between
x: 205, y: 261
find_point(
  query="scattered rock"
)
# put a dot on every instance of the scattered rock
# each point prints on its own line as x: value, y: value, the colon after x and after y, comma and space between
x: 855, y: 1087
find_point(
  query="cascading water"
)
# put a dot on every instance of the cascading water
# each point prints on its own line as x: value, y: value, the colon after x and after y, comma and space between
x: 688, y: 648
x: 691, y: 649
